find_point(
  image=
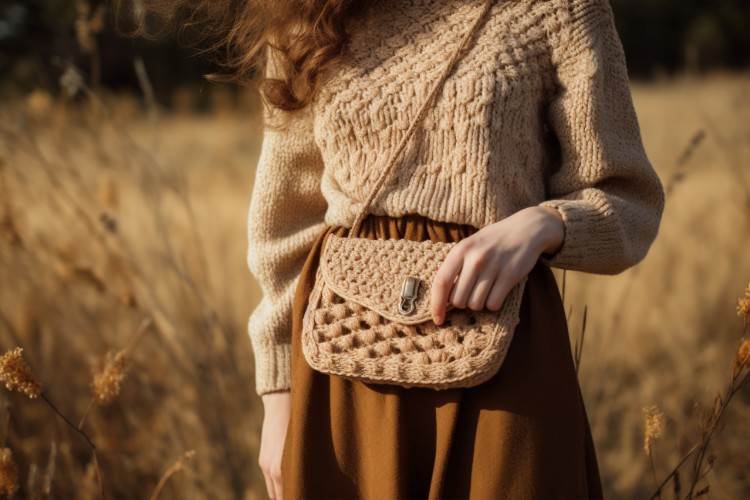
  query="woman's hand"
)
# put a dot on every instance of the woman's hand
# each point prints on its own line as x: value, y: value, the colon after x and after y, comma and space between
x: 482, y: 268
x: 277, y: 411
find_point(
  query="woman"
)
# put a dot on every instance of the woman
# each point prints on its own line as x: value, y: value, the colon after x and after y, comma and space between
x: 530, y: 157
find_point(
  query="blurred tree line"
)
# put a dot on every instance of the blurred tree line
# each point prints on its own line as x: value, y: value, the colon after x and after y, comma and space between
x: 39, y: 38
x: 664, y: 36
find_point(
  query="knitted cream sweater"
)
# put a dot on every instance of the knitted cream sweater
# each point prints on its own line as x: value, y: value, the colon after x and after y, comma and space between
x: 537, y: 112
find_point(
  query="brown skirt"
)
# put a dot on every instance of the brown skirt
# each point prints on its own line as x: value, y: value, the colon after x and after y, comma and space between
x: 522, y: 434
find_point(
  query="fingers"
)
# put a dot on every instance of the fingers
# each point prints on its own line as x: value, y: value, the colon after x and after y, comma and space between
x: 271, y: 468
x: 500, y: 289
x: 269, y: 483
x: 279, y: 488
x: 272, y: 474
x: 443, y: 282
x: 477, y: 274
x: 462, y: 289
x: 276, y: 478
x: 482, y: 286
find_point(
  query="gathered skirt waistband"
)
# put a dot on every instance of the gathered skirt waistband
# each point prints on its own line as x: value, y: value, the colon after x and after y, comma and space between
x: 414, y: 227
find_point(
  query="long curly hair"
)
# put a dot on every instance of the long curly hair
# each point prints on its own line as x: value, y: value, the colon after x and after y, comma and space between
x: 307, y: 37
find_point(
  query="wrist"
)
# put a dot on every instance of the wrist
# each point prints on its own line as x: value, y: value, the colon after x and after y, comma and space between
x: 550, y: 231
x: 276, y: 398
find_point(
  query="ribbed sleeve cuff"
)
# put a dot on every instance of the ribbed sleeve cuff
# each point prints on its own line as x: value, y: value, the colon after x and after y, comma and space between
x: 569, y: 254
x: 592, y: 241
x: 273, y: 368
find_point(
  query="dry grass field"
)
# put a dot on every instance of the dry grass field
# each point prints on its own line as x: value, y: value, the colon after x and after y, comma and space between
x: 122, y: 231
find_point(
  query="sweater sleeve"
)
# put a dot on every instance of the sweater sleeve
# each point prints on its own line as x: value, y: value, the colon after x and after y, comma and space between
x: 610, y: 198
x: 286, y: 213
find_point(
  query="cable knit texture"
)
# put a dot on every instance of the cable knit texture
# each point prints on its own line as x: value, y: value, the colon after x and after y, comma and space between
x: 537, y: 112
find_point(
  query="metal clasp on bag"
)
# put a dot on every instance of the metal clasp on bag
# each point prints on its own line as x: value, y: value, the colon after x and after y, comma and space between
x: 408, y: 295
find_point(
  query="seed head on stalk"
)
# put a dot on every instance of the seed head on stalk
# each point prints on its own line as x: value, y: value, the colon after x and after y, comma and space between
x: 743, y: 306
x: 17, y: 375
x: 742, y: 358
x: 108, y: 382
x: 9, y: 484
x: 653, y: 417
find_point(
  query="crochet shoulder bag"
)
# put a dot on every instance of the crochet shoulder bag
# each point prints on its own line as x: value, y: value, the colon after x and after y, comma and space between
x: 368, y: 314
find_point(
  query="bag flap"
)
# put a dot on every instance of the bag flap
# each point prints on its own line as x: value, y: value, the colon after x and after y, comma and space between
x: 465, y: 353
x: 372, y: 272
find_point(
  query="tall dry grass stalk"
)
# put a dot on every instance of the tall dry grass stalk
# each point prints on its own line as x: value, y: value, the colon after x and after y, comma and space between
x: 653, y: 418
x: 578, y: 343
x: 88, y: 26
x: 709, y: 419
x: 176, y: 467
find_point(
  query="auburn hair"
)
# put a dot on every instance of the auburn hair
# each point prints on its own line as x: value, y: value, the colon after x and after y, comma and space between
x: 308, y: 36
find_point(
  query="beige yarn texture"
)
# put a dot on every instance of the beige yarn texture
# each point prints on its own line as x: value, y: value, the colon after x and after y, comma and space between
x: 538, y: 112
x: 352, y: 326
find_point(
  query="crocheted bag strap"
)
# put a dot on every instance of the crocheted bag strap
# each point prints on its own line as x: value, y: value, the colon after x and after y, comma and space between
x: 380, y: 181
